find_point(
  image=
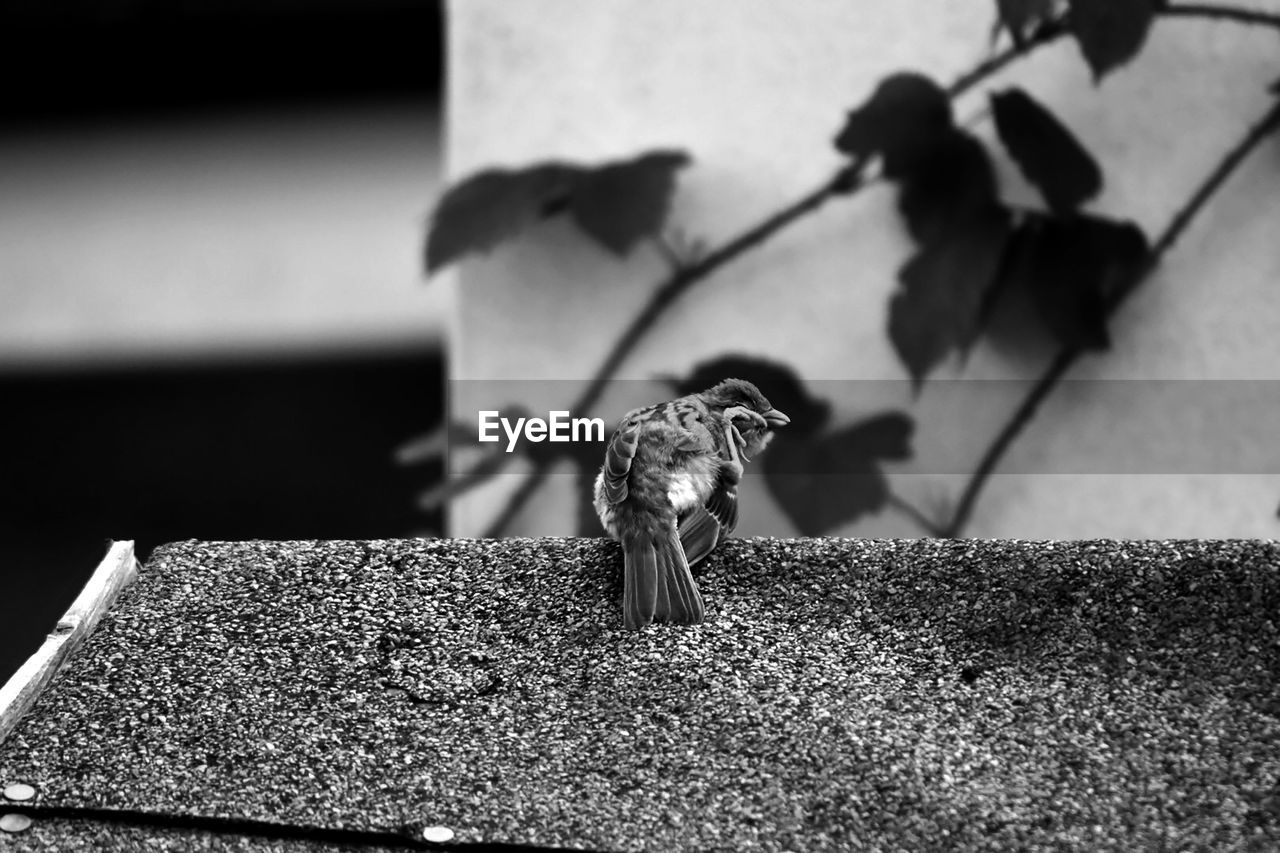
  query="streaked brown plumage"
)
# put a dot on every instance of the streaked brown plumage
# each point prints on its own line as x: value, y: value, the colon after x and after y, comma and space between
x: 668, y: 491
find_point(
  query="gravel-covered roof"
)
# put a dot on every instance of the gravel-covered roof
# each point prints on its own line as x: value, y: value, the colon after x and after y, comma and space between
x: 843, y: 694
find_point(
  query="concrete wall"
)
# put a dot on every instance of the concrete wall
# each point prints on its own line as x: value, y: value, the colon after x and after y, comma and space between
x: 755, y: 91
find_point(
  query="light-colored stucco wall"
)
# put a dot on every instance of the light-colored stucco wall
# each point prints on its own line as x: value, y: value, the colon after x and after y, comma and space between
x: 755, y: 90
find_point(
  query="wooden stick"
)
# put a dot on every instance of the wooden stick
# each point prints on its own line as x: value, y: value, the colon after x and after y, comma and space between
x: 116, y: 571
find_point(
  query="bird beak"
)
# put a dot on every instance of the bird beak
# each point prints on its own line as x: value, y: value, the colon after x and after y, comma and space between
x: 776, y: 418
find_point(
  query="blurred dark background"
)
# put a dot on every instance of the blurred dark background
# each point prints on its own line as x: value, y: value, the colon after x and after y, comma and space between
x: 258, y: 413
x: 68, y: 59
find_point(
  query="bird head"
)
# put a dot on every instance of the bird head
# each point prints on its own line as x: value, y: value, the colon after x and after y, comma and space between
x: 740, y: 392
x: 733, y: 393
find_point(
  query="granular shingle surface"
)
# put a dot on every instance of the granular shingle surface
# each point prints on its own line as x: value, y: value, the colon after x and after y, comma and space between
x: 843, y: 694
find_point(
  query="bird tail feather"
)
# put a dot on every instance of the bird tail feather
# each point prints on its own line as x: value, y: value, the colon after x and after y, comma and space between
x: 682, y: 603
x: 657, y: 583
x: 639, y: 582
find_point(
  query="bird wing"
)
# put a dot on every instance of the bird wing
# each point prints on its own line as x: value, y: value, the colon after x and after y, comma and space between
x: 704, y: 527
x: 617, y: 460
x: 723, y: 507
x: 699, y: 534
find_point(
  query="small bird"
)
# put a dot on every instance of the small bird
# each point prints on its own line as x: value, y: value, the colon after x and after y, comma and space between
x: 668, y: 491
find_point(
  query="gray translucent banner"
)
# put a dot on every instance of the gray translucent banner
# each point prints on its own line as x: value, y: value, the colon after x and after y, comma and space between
x: 1083, y: 427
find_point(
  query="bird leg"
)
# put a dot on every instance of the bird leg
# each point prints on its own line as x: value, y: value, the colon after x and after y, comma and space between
x: 756, y: 428
x: 734, y: 442
x: 757, y: 420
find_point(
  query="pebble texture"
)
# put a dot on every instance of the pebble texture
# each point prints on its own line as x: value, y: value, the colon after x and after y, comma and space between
x: 842, y: 694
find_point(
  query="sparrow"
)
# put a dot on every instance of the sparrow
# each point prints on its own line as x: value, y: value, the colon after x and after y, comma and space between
x: 668, y: 491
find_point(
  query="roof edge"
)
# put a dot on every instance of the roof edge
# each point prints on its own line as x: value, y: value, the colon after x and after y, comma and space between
x: 116, y: 571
